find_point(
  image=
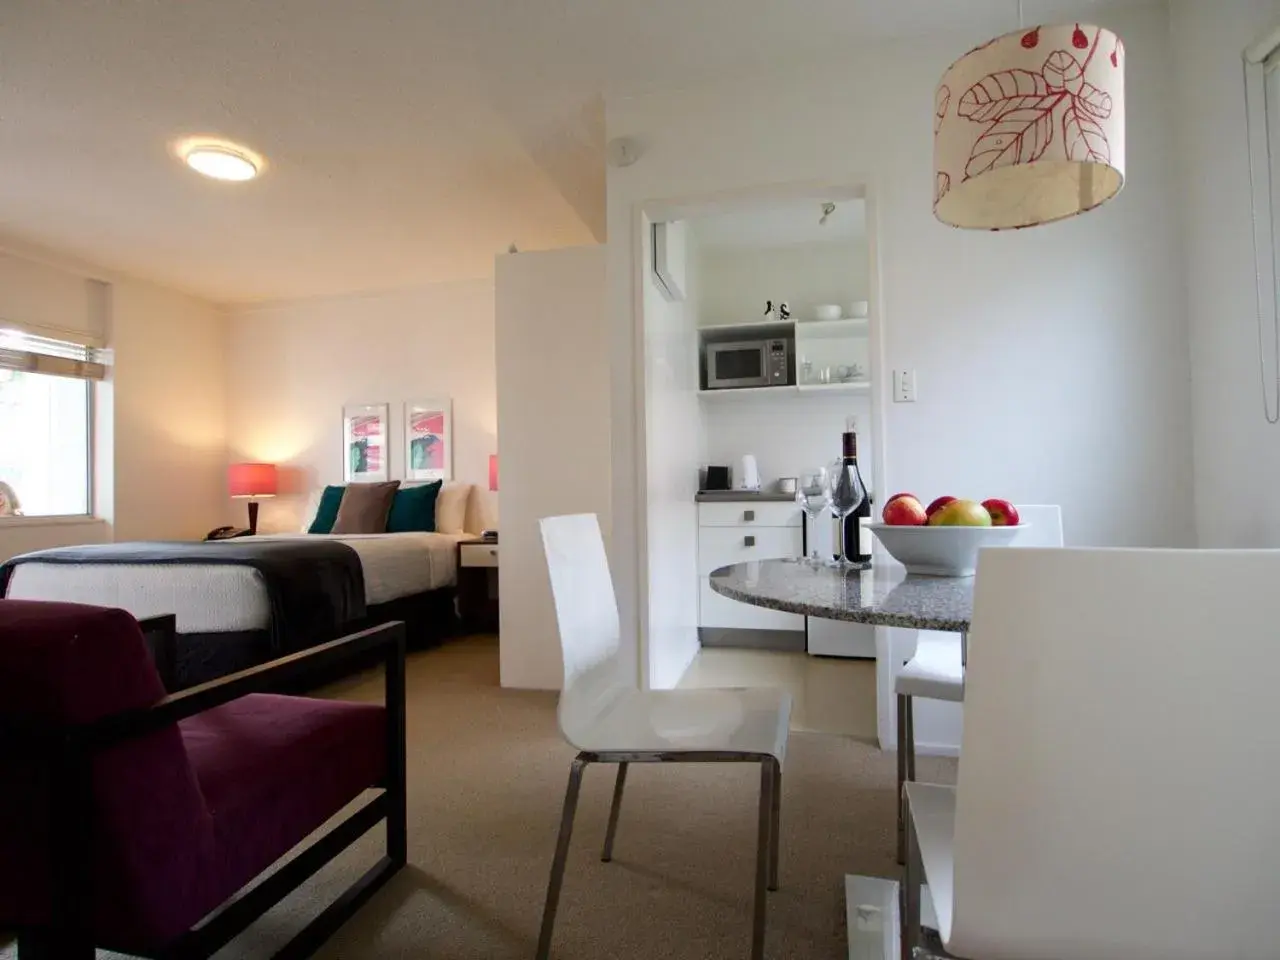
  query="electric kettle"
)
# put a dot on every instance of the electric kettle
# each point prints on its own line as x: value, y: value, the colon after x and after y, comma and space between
x: 748, y: 473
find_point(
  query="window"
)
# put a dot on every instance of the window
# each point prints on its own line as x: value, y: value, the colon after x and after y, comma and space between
x: 46, y: 412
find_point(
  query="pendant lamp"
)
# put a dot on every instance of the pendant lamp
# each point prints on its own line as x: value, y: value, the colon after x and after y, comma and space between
x: 1029, y: 128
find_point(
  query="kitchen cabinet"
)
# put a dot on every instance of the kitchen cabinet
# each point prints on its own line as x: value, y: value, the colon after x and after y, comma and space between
x: 737, y: 532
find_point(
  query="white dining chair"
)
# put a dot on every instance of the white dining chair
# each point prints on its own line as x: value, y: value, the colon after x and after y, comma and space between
x: 1114, y: 797
x: 609, y: 720
x: 936, y: 669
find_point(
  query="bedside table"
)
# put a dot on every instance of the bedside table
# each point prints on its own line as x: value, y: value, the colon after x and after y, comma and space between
x: 478, y: 585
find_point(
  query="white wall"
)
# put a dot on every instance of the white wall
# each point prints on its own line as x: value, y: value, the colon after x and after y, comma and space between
x: 170, y: 407
x: 553, y: 427
x: 738, y: 281
x: 1237, y: 454
x: 673, y: 451
x: 160, y: 430
x: 1052, y: 363
x: 293, y: 365
x: 787, y: 434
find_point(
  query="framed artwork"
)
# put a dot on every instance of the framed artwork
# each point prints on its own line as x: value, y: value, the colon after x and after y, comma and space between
x: 428, y: 440
x: 365, y: 435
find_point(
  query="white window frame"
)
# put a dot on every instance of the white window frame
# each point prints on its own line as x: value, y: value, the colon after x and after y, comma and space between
x: 93, y: 369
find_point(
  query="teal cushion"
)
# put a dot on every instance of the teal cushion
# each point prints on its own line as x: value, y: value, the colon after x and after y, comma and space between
x: 327, y: 510
x: 414, y: 509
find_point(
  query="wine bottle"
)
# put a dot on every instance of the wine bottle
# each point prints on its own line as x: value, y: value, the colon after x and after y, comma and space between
x: 855, y: 533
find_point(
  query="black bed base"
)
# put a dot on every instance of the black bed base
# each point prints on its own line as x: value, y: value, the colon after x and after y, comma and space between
x: 196, y: 658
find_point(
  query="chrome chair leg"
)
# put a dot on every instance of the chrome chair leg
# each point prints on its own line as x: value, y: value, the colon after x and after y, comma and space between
x: 776, y: 826
x: 911, y: 739
x: 910, y: 900
x: 614, y: 810
x: 906, y: 755
x: 768, y: 775
x: 562, y: 854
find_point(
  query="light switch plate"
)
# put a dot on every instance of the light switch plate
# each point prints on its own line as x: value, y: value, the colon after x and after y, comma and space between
x: 904, y: 386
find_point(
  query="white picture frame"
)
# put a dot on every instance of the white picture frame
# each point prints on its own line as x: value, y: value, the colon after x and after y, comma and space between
x: 428, y: 439
x: 366, y: 442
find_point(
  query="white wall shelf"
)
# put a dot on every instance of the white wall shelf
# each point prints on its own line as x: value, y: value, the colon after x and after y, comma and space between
x: 845, y: 328
x: 791, y: 390
x: 853, y: 386
x: 750, y: 330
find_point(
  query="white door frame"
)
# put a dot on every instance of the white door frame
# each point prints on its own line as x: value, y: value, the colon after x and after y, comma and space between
x: 648, y: 211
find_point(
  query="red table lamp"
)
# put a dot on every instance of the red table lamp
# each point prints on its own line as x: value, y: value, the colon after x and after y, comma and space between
x: 254, y: 482
x: 493, y: 471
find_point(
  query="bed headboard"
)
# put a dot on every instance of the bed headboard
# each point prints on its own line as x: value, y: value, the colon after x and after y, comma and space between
x: 477, y: 516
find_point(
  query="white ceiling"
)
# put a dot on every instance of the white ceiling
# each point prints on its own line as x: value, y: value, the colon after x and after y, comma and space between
x: 792, y: 223
x: 408, y: 141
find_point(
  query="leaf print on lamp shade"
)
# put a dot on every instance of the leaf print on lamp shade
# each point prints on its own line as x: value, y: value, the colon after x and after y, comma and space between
x: 1029, y: 128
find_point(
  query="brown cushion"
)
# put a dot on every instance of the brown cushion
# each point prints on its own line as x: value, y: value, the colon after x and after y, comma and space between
x: 364, y: 507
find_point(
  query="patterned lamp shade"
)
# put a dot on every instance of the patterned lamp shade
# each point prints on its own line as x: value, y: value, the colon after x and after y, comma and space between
x: 1029, y: 128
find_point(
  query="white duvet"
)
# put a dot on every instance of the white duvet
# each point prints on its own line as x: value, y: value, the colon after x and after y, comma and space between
x: 222, y: 598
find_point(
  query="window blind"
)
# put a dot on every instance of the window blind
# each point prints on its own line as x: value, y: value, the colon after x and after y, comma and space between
x: 59, y: 358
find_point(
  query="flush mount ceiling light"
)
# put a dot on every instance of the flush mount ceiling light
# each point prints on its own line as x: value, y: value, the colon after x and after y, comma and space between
x: 1029, y: 128
x: 219, y: 159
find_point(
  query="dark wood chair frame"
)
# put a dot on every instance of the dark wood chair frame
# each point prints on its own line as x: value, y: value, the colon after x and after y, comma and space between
x: 70, y: 751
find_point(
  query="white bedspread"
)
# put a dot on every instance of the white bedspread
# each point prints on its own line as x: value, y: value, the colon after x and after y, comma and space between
x: 220, y: 598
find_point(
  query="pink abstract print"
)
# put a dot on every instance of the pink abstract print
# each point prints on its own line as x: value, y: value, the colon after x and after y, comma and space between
x: 367, y: 444
x: 427, y: 446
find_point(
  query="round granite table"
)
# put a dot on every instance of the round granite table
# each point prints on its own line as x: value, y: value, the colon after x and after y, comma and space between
x: 885, y: 596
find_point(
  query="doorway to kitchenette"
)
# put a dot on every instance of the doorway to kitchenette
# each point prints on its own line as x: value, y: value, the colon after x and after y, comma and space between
x: 761, y: 348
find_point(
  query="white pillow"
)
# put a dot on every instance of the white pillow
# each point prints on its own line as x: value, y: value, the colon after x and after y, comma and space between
x: 309, y: 511
x: 451, y: 507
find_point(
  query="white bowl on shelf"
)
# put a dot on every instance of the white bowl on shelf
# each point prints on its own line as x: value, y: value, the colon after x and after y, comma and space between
x: 827, y: 311
x: 941, y: 551
x: 859, y: 309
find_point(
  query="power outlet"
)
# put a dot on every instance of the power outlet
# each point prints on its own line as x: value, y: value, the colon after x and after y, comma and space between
x: 904, y: 386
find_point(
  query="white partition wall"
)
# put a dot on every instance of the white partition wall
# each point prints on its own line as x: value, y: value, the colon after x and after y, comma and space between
x: 553, y: 435
x: 673, y: 450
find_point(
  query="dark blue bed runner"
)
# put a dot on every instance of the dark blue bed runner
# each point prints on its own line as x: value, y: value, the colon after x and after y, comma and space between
x: 315, y: 587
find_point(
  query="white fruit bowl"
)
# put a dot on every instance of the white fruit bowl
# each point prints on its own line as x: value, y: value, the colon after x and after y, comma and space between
x: 941, y: 551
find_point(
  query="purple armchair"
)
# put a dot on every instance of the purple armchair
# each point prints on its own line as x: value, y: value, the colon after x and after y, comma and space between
x: 127, y: 816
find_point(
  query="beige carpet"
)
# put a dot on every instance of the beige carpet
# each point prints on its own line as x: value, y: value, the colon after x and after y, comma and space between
x: 487, y: 772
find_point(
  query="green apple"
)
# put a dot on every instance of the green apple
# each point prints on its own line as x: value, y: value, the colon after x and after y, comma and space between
x: 961, y: 513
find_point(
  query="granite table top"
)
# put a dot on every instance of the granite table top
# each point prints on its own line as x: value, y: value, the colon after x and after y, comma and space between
x: 886, y: 596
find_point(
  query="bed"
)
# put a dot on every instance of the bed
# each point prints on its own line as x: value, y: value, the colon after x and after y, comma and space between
x: 241, y: 602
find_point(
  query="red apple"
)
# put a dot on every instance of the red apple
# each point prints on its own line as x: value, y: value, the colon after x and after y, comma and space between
x: 897, y: 495
x: 938, y: 504
x: 961, y: 513
x: 1003, y: 513
x: 904, y: 510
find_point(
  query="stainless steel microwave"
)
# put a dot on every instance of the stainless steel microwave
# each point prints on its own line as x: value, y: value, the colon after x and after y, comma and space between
x: 748, y: 363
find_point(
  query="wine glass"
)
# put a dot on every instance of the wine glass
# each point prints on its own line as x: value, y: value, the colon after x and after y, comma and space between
x: 813, y: 493
x: 847, y: 494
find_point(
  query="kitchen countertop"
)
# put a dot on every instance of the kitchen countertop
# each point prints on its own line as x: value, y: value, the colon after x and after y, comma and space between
x: 742, y: 496
x: 883, y: 595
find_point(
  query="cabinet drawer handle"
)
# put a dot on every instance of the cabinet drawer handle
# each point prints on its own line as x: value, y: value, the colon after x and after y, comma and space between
x: 748, y: 516
x: 748, y: 541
